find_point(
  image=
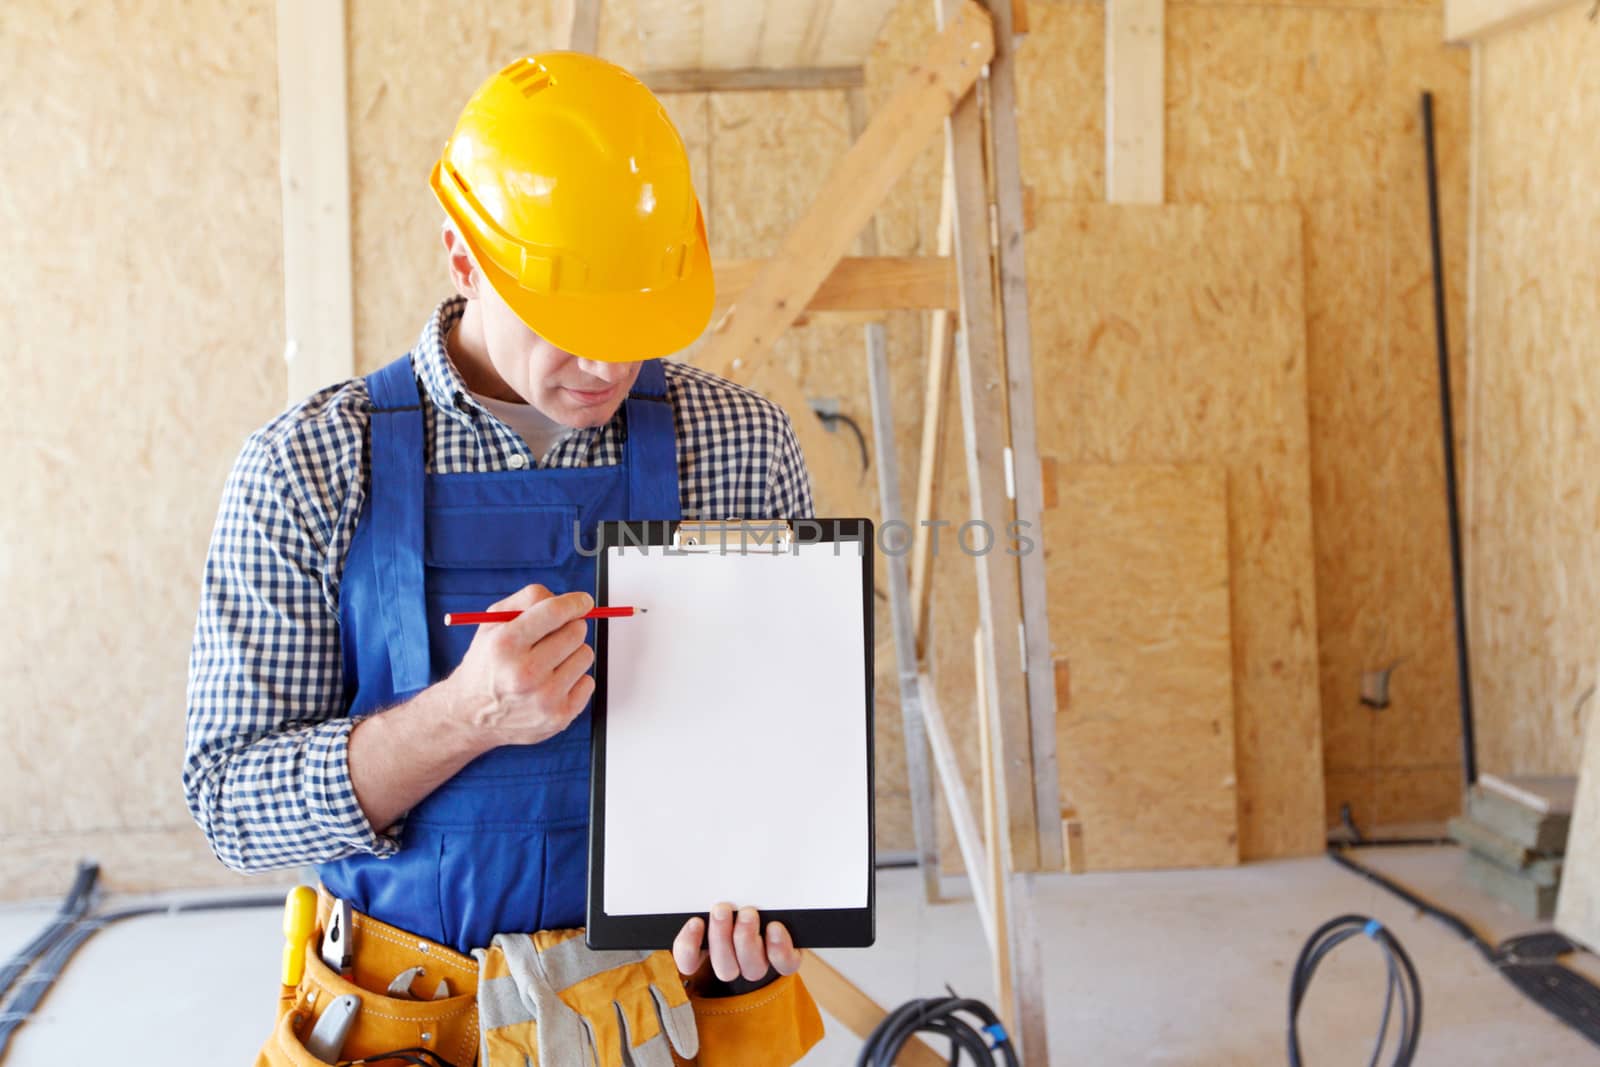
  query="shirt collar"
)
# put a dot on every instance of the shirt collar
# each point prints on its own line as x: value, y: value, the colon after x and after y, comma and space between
x: 447, y: 390
x: 431, y: 361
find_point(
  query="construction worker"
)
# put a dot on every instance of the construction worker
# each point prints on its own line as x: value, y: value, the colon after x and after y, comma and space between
x: 439, y: 777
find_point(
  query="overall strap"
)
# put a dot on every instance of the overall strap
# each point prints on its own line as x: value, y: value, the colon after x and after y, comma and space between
x: 396, y: 513
x: 651, y: 450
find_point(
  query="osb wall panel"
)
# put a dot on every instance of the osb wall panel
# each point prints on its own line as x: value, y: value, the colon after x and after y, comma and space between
x: 1320, y: 108
x: 1535, y: 555
x: 1178, y: 336
x: 144, y: 317
x: 1137, y: 570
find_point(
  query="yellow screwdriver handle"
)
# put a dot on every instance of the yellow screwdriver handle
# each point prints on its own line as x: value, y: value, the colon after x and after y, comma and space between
x: 299, y: 919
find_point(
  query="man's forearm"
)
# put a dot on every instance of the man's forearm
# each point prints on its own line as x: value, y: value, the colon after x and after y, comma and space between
x: 400, y: 756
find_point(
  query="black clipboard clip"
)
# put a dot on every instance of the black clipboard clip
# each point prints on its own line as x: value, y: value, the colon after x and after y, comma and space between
x: 740, y: 536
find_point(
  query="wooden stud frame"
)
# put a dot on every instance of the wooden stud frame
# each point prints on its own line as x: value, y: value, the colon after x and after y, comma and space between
x: 753, y: 79
x: 314, y: 163
x: 940, y: 91
x: 919, y: 783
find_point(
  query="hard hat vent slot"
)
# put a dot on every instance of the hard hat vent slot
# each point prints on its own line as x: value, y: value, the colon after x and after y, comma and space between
x: 528, y: 75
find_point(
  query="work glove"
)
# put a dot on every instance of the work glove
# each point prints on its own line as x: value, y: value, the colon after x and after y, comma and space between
x: 547, y: 998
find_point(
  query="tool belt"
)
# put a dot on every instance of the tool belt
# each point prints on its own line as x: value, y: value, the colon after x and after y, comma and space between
x: 418, y: 1004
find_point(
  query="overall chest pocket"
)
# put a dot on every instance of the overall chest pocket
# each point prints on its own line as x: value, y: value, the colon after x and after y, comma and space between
x: 497, y: 538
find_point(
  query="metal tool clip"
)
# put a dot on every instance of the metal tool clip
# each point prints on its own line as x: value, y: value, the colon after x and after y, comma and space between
x: 337, y: 952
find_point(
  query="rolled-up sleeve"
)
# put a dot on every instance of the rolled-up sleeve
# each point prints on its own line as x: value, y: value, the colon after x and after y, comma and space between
x: 266, y: 771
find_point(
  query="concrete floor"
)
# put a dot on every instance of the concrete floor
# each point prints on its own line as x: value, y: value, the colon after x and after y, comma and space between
x: 1149, y: 968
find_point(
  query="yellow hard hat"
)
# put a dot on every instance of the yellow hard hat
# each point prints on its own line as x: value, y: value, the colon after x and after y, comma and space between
x: 571, y: 187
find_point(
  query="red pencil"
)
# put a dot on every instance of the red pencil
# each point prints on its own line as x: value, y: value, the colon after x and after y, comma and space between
x: 475, y: 618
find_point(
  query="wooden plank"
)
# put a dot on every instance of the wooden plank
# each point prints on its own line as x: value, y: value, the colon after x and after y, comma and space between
x: 859, y: 1013
x: 1533, y: 900
x: 669, y: 33
x: 1019, y: 17
x: 808, y: 47
x: 1136, y: 111
x: 752, y: 79
x: 994, y: 869
x: 969, y: 837
x: 1138, y: 583
x: 1176, y: 335
x: 980, y: 364
x: 852, y: 28
x: 1473, y: 20
x: 1536, y: 830
x: 1017, y: 328
x: 919, y: 783
x: 583, y: 32
x: 1578, y: 905
x: 980, y: 372
x: 741, y: 340
x: 1552, y: 794
x: 941, y: 330
x: 732, y: 34
x: 314, y: 162
x: 860, y: 283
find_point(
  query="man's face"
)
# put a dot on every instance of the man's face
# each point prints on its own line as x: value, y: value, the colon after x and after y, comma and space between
x: 572, y: 391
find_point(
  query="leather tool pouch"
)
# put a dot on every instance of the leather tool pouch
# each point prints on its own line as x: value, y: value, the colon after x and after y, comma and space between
x: 774, y: 1026
x: 447, y: 1027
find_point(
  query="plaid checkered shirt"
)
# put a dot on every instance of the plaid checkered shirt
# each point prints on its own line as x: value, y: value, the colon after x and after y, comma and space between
x: 265, y: 767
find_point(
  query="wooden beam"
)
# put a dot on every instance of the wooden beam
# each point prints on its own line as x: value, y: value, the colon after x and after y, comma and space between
x: 919, y: 783
x: 1017, y: 329
x: 859, y: 1013
x: 583, y: 26
x: 1135, y: 101
x: 740, y: 342
x: 930, y: 459
x: 969, y: 835
x: 861, y: 283
x: 1019, y: 17
x: 994, y: 872
x: 981, y: 374
x: 314, y: 165
x: 981, y: 370
x: 753, y: 79
x: 1473, y: 20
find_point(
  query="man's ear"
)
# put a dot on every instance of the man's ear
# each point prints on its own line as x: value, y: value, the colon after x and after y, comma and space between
x: 464, y: 275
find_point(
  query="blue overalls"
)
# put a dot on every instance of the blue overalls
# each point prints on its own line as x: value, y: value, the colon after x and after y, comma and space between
x: 502, y: 846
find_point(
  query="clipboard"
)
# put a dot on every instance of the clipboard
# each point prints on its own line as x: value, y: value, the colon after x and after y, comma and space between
x: 732, y: 730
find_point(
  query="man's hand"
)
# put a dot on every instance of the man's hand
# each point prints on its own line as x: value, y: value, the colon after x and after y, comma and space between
x: 525, y: 680
x: 736, y: 947
x: 519, y: 683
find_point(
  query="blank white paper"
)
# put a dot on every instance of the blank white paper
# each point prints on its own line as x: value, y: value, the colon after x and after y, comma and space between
x: 736, y: 718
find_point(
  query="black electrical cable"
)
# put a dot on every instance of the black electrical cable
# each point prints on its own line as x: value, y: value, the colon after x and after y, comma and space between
x: 1529, y: 961
x: 861, y: 438
x: 1402, y: 986
x: 941, y: 1016
x: 1469, y: 747
x: 71, y: 910
x: 52, y: 956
